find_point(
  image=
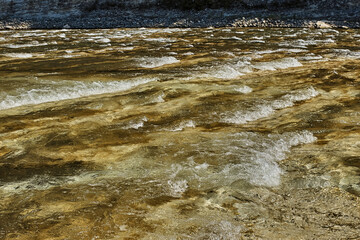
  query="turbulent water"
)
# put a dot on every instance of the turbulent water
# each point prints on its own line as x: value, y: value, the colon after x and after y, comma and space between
x: 180, y: 134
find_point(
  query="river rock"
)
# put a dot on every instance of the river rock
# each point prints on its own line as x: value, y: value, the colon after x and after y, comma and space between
x: 321, y: 24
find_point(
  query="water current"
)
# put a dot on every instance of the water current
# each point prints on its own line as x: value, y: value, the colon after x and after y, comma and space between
x: 180, y: 134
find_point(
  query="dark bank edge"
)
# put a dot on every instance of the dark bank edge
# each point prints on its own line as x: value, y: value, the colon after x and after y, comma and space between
x: 175, y: 18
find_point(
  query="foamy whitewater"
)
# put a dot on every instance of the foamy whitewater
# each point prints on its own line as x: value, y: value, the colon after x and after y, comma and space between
x: 136, y: 124
x: 278, y: 64
x: 244, y: 66
x: 248, y: 156
x: 27, y: 45
x: 18, y: 55
x: 269, y: 107
x: 182, y: 125
x: 244, y: 89
x: 153, y: 62
x: 62, y: 90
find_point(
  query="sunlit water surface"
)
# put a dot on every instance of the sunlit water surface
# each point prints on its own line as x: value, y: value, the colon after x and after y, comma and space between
x: 180, y: 134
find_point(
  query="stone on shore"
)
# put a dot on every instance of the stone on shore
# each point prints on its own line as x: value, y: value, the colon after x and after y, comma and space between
x: 321, y: 24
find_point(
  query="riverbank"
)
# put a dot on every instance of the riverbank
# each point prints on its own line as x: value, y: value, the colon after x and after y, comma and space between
x: 159, y: 17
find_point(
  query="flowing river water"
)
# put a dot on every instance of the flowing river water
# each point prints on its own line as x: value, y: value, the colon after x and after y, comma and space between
x: 180, y: 134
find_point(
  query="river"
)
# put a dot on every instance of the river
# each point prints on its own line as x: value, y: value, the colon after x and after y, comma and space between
x: 228, y: 133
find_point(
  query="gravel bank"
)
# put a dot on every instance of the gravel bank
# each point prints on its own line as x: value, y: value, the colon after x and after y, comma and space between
x: 155, y: 17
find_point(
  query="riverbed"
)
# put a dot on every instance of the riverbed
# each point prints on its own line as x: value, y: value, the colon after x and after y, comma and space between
x: 176, y: 133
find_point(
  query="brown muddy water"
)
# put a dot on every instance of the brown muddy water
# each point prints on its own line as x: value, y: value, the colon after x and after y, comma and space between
x: 180, y: 134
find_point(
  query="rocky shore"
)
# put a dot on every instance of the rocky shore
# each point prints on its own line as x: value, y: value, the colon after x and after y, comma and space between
x: 160, y: 17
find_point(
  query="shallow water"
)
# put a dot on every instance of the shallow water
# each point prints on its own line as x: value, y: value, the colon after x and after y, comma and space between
x: 179, y: 134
